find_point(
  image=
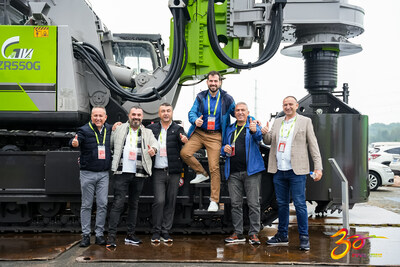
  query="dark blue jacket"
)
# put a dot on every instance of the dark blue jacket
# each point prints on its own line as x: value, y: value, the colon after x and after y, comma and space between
x: 88, y: 145
x: 254, y: 160
x: 174, y: 145
x: 227, y: 109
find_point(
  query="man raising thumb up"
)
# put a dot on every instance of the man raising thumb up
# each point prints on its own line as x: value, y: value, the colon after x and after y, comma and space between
x: 75, y: 142
x: 150, y: 150
x: 243, y: 167
x: 94, y: 142
x: 134, y: 145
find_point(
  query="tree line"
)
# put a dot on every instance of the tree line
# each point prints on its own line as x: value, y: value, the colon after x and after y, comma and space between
x: 379, y: 132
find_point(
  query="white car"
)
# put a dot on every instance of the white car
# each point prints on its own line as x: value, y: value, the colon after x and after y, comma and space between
x: 384, y: 154
x: 379, y: 174
x: 395, y: 165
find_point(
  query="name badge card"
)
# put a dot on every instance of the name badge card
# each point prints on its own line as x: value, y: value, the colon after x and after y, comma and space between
x: 211, y: 123
x: 281, y: 146
x: 233, y: 150
x: 163, y: 151
x: 132, y: 155
x: 101, y: 154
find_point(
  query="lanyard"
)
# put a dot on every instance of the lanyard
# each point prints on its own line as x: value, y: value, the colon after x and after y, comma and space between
x: 97, y: 138
x: 237, y: 135
x: 160, y: 136
x: 130, y: 136
x: 216, y: 104
x: 291, y: 126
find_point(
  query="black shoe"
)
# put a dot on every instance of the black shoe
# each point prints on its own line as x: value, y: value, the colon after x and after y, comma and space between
x: 132, y: 239
x: 111, y: 241
x: 85, y: 241
x: 100, y: 240
x: 166, y: 237
x: 278, y: 240
x: 155, y: 238
x: 304, y: 242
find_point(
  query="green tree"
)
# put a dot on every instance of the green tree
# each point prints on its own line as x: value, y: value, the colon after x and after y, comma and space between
x: 379, y: 132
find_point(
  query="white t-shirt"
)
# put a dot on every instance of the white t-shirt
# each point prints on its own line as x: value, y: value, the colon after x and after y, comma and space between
x: 129, y: 165
x: 285, y: 136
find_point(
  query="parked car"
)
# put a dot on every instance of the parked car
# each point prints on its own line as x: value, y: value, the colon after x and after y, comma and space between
x: 378, y: 175
x: 380, y: 144
x: 384, y: 154
x: 395, y: 165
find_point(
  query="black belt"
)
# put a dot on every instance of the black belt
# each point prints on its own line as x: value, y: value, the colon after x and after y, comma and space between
x: 209, y: 131
x: 162, y: 169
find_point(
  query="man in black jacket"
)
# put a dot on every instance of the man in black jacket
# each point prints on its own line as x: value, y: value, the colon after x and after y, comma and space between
x: 93, y: 139
x: 166, y: 174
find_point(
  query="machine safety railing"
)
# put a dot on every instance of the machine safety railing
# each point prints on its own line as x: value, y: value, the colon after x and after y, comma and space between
x: 345, y: 192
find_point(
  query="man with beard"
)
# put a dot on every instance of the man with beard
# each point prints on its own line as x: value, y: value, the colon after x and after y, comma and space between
x: 93, y: 139
x: 209, y: 116
x: 166, y: 172
x: 133, y: 145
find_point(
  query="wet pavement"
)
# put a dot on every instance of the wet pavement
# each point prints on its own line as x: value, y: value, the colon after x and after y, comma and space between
x: 35, y: 246
x: 381, y: 248
x: 211, y: 249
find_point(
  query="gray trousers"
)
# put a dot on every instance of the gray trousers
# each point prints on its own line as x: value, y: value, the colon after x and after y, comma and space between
x: 239, y: 183
x: 91, y: 183
x: 165, y: 187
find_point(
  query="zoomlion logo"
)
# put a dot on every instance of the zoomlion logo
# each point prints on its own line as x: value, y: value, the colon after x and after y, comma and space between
x: 17, y: 53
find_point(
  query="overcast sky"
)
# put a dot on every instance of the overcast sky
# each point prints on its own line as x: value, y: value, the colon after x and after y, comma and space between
x: 372, y: 75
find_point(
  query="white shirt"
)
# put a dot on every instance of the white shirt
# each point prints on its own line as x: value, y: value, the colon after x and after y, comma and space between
x: 129, y: 166
x: 162, y: 161
x: 285, y: 135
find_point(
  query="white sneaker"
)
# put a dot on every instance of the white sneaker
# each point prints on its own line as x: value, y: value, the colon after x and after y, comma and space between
x: 199, y: 178
x: 213, y: 207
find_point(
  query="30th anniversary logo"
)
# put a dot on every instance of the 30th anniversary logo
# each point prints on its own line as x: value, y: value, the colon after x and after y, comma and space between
x: 346, y: 241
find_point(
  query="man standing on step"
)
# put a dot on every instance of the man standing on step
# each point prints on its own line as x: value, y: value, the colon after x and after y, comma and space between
x: 209, y: 116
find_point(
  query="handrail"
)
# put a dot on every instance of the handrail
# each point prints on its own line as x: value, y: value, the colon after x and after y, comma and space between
x: 345, y: 192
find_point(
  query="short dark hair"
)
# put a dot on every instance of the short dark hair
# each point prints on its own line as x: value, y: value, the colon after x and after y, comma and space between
x: 213, y: 73
x: 165, y: 104
x: 135, y: 107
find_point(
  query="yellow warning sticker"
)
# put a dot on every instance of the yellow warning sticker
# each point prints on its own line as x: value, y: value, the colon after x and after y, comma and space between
x: 41, y: 32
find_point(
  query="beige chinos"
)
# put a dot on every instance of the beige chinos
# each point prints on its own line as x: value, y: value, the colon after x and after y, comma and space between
x: 212, y: 142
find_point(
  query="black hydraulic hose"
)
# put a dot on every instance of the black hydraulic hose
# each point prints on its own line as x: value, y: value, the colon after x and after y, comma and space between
x: 176, y: 62
x: 180, y: 44
x: 275, y: 41
x: 97, y: 64
x: 270, y: 49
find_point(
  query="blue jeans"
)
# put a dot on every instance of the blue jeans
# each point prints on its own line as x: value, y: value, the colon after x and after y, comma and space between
x: 287, y: 184
x: 94, y: 183
x: 239, y: 183
x: 125, y: 183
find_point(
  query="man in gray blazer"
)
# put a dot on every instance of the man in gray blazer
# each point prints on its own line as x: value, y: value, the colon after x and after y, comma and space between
x: 292, y: 138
